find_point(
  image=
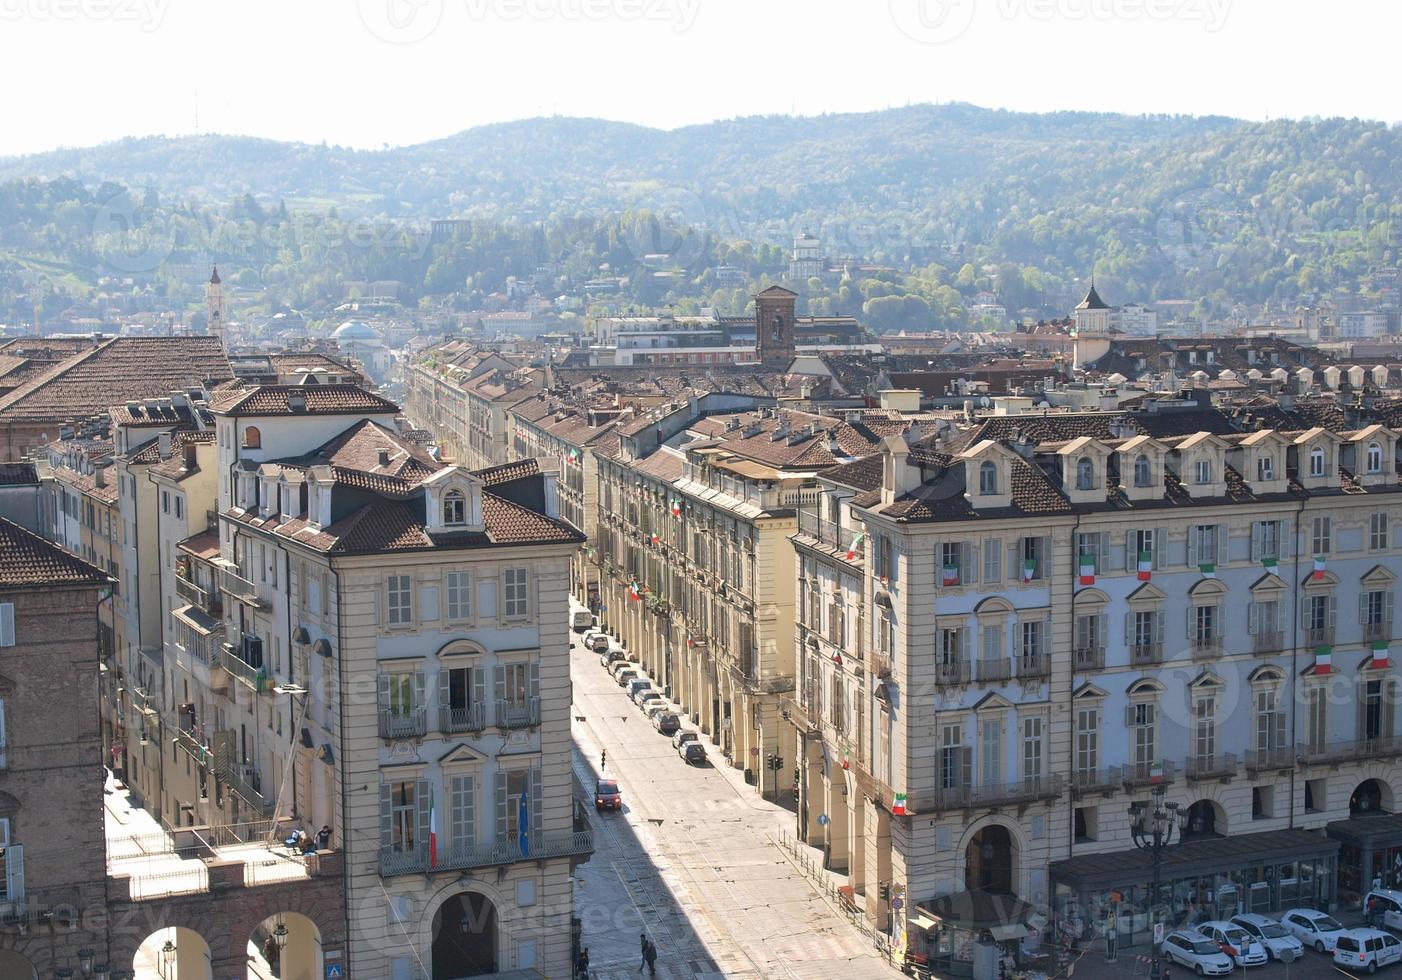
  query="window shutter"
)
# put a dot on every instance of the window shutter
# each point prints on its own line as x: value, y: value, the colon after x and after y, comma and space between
x: 1160, y: 619
x: 7, y: 624
x: 445, y: 697
x: 386, y: 803
x: 1102, y: 548
x: 1129, y: 716
x: 1389, y: 703
x: 535, y: 680
x: 499, y: 683
x: 1253, y: 619
x: 1220, y: 536
x: 1014, y: 562
x: 1188, y: 622
x: 1283, y: 539
x: 1361, y: 720
x: 968, y: 564
x: 1045, y: 571
x: 1333, y: 610
x: 1278, y: 734
x: 537, y: 793
x: 1131, y: 552
x: 1129, y: 629
x: 1256, y: 545
x: 384, y: 691
x: 1103, y: 633
x: 501, y: 807
x: 1363, y: 607
x: 1387, y: 607
x: 14, y: 872
x: 966, y: 774
x: 992, y: 560
x: 419, y: 699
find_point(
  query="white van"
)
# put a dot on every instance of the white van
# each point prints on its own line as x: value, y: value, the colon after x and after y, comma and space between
x: 581, y: 620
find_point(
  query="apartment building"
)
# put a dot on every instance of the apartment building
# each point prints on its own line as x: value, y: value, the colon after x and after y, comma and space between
x: 1059, y: 614
x: 406, y: 622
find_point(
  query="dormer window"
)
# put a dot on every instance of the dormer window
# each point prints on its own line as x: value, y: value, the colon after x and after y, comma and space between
x: 1202, y: 471
x: 454, y: 508
x: 988, y: 479
x: 1143, y: 477
x: 1317, y: 461
x: 1375, y: 458
x: 1085, y: 474
x: 1265, y: 468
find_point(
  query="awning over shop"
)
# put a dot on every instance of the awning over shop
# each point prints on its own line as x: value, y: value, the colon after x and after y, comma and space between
x: 1092, y: 872
x: 1375, y: 831
x: 922, y: 921
x: 976, y: 911
x: 1011, y: 931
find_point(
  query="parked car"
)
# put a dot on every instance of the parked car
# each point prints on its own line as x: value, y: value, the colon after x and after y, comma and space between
x: 682, y: 737
x: 1272, y: 935
x: 626, y: 675
x: 620, y: 666
x: 1389, y: 906
x: 638, y: 688
x: 693, y: 752
x: 581, y: 620
x: 652, y: 704
x: 610, y: 657
x: 596, y: 640
x: 607, y: 795
x: 1192, y: 949
x: 1235, y: 941
x: 1366, y: 949
x: 1315, y: 929
x: 666, y: 722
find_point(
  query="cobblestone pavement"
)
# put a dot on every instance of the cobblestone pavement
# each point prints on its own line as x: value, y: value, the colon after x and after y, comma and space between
x: 691, y: 861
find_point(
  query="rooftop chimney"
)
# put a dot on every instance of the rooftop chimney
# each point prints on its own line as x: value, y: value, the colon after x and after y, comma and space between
x: 384, y: 457
x: 163, y: 445
x: 99, y: 474
x: 188, y: 449
x: 297, y: 402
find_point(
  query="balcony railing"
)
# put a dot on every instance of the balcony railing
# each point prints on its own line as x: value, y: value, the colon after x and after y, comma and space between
x: 403, y: 723
x: 1206, y: 648
x: 997, y: 794
x: 1377, y: 632
x: 994, y: 669
x: 1145, y: 654
x: 415, y: 860
x: 1146, y: 774
x: 194, y: 744
x: 1033, y: 666
x: 1350, y: 750
x: 1320, y: 637
x: 952, y: 674
x: 471, y: 718
x: 1260, y: 760
x: 1219, y: 765
x: 246, y: 783
x: 1271, y: 641
x: 196, y: 596
x: 827, y: 533
x: 241, y: 588
x: 1097, y: 780
x: 518, y: 714
x: 1088, y: 658
x: 255, y: 677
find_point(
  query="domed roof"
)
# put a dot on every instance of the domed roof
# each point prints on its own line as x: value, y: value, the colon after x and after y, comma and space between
x: 356, y: 330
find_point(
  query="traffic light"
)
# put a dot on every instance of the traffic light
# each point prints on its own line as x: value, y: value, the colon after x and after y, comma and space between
x: 884, y: 890
x: 776, y: 762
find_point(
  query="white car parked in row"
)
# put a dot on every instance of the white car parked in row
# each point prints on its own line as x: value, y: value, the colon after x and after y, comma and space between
x: 1317, y: 930
x: 1271, y: 934
x: 1235, y: 941
x: 1192, y: 949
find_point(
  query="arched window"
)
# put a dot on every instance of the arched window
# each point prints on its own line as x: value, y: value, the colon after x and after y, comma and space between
x: 1375, y: 458
x: 1316, y: 461
x: 454, y: 508
x: 252, y: 438
x: 1085, y: 474
x: 988, y: 479
x: 1142, y: 475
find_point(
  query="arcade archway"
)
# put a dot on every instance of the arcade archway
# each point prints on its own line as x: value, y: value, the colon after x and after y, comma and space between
x: 175, y: 953
x: 990, y: 863
x: 286, y: 946
x: 465, y: 937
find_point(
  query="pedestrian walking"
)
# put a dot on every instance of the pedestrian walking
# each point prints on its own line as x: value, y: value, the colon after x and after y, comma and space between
x: 642, y: 950
x: 650, y: 958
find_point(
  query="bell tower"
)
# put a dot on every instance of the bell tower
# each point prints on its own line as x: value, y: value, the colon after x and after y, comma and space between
x: 214, y: 305
x: 774, y: 326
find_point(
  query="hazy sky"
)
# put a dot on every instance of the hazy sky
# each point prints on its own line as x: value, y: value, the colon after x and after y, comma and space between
x: 370, y: 72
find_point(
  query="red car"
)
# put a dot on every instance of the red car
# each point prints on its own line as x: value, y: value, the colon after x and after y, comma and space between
x: 607, y: 796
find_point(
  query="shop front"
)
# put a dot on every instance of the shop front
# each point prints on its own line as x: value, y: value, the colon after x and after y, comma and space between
x: 1370, y: 852
x: 976, y: 934
x: 1108, y: 896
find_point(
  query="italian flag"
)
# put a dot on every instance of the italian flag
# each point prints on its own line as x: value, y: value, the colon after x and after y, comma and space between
x: 951, y: 575
x: 1270, y: 564
x: 1318, y: 575
x: 1380, y: 657
x: 633, y: 592
x: 1156, y: 772
x: 1146, y: 565
x: 676, y: 507
x: 898, y: 806
x: 1087, y: 570
x: 432, y: 829
x: 655, y: 538
x: 846, y: 761
x: 1208, y: 569
x: 1029, y: 568
x: 856, y: 543
x: 1323, y: 659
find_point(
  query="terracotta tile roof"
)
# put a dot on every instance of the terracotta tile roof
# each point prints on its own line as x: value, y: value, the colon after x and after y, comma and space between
x: 320, y: 400
x: 203, y: 545
x: 359, y: 448
x: 506, y: 472
x: 151, y: 451
x: 117, y: 370
x: 860, y: 474
x: 86, y: 485
x: 18, y: 475
x: 28, y: 561
x: 799, y: 449
x: 139, y: 414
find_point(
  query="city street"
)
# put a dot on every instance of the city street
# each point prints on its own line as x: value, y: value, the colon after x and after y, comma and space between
x: 690, y: 861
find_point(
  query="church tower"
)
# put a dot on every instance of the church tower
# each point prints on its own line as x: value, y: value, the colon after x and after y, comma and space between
x: 1092, y: 323
x: 774, y: 326
x: 214, y: 304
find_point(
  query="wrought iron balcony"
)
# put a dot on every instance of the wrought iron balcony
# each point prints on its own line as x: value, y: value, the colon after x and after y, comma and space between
x: 246, y: 783
x: 994, y: 669
x: 403, y: 723
x: 1206, y: 648
x: 1377, y: 632
x: 518, y: 714
x: 241, y: 589
x: 194, y: 744
x: 1033, y: 666
x: 1145, y: 654
x: 1088, y: 658
x: 538, y: 847
x: 1350, y: 750
x: 471, y: 718
x: 1146, y: 774
x: 1323, y: 636
x: 984, y: 795
x: 196, y: 596
x: 255, y: 678
x: 952, y: 674
x: 1097, y: 780
x: 1260, y: 760
x: 1218, y: 765
x: 1272, y: 641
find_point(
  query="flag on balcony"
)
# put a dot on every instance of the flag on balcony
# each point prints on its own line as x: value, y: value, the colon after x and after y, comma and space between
x: 1146, y: 565
x: 655, y: 538
x: 522, y: 823
x: 1029, y: 569
x: 676, y: 507
x: 1270, y: 564
x: 837, y: 658
x: 1380, y: 657
x: 1156, y: 772
x: 1087, y: 569
x: 856, y: 543
x: 1318, y: 575
x: 846, y: 760
x: 950, y: 575
x: 1323, y: 660
x: 898, y: 806
x: 1208, y: 569
x: 432, y: 828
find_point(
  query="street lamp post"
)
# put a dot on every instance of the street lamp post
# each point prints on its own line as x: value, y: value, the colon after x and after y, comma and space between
x: 1155, y: 826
